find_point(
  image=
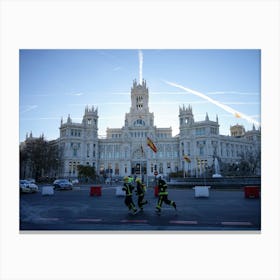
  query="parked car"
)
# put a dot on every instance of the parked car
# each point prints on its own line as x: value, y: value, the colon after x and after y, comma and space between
x: 27, y: 187
x: 75, y: 181
x: 31, y: 180
x: 62, y: 184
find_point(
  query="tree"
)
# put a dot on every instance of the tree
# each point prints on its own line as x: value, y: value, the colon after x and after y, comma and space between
x: 250, y: 163
x: 39, y: 157
x: 87, y: 172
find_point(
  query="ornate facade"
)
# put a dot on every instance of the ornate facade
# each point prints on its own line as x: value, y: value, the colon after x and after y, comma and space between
x: 124, y: 150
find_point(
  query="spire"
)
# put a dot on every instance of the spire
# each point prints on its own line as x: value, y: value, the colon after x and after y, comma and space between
x: 217, y: 120
x: 206, y: 117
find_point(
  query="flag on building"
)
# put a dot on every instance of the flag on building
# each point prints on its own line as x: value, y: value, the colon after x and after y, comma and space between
x: 187, y: 159
x: 151, y: 144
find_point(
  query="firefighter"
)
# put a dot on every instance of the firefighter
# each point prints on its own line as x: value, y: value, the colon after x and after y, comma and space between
x: 140, y: 191
x: 163, y: 195
x: 128, y: 188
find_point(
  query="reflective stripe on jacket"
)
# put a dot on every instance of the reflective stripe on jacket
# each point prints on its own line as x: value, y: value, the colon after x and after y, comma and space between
x: 162, y: 186
x: 128, y: 189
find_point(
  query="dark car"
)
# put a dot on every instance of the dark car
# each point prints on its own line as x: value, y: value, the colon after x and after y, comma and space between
x: 62, y: 184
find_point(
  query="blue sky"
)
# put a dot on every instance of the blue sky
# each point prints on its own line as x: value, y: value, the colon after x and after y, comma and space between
x: 55, y: 83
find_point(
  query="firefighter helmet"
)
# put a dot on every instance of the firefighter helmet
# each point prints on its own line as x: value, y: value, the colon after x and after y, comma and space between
x: 138, y: 180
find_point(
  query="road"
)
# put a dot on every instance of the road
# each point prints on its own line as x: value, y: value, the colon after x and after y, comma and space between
x: 76, y: 210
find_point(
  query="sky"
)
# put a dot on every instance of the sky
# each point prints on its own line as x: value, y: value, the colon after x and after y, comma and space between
x: 57, y: 83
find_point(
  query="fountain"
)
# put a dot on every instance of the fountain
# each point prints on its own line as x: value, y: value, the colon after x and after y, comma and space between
x: 217, y: 169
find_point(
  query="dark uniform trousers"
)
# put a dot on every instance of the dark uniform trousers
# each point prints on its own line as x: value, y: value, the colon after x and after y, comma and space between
x: 140, y: 192
x: 163, y: 196
x: 128, y: 196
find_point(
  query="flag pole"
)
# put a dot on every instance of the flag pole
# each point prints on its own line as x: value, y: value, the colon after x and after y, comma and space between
x: 141, y: 161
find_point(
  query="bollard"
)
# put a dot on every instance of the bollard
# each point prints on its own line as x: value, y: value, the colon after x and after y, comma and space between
x: 95, y: 191
x: 252, y: 192
x: 156, y: 190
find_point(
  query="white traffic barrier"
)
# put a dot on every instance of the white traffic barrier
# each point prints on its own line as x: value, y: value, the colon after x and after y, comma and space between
x: 47, y: 190
x: 119, y: 191
x: 201, y: 191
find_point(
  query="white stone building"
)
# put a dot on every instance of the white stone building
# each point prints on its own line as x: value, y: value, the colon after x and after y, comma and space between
x: 124, y: 150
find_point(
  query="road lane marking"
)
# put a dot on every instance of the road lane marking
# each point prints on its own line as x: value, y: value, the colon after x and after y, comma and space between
x: 48, y: 219
x: 133, y: 221
x: 183, y: 222
x: 89, y: 220
x: 236, y: 223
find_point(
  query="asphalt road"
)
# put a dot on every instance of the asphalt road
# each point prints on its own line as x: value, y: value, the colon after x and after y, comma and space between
x: 76, y: 210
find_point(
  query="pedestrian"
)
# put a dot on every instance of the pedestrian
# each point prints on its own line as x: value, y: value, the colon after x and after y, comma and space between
x: 163, y: 195
x: 140, y: 191
x: 128, y: 188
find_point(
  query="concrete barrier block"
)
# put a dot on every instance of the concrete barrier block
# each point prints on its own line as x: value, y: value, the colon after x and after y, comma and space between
x: 47, y: 190
x: 201, y: 191
x: 119, y: 191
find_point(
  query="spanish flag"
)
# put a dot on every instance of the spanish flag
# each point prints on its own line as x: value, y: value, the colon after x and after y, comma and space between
x: 151, y: 144
x: 186, y: 158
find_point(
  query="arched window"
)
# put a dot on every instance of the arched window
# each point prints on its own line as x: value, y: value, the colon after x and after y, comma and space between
x: 139, y: 122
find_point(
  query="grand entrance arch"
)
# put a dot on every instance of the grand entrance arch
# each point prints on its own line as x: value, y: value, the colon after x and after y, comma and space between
x: 139, y: 168
x: 139, y: 162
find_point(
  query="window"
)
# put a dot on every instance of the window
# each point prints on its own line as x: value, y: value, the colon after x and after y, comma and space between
x: 200, y: 131
x: 161, y: 168
x: 101, y: 170
x: 117, y: 169
x: 213, y: 130
x: 139, y: 122
x: 201, y: 150
x: 87, y: 150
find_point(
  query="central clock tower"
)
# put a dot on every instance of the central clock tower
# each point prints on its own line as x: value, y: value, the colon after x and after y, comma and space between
x: 139, y: 114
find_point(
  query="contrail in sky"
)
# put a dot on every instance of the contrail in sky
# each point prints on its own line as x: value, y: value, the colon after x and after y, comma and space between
x: 29, y: 108
x: 221, y: 105
x: 140, y: 55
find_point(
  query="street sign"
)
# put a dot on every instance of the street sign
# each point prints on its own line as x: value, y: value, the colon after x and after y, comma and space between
x: 155, y: 173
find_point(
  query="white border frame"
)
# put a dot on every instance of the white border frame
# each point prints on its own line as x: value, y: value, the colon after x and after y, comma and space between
x: 139, y: 24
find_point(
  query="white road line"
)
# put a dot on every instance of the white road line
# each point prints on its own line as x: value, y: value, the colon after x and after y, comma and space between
x: 236, y: 223
x: 133, y: 221
x: 183, y: 222
x: 48, y: 219
x: 89, y: 220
